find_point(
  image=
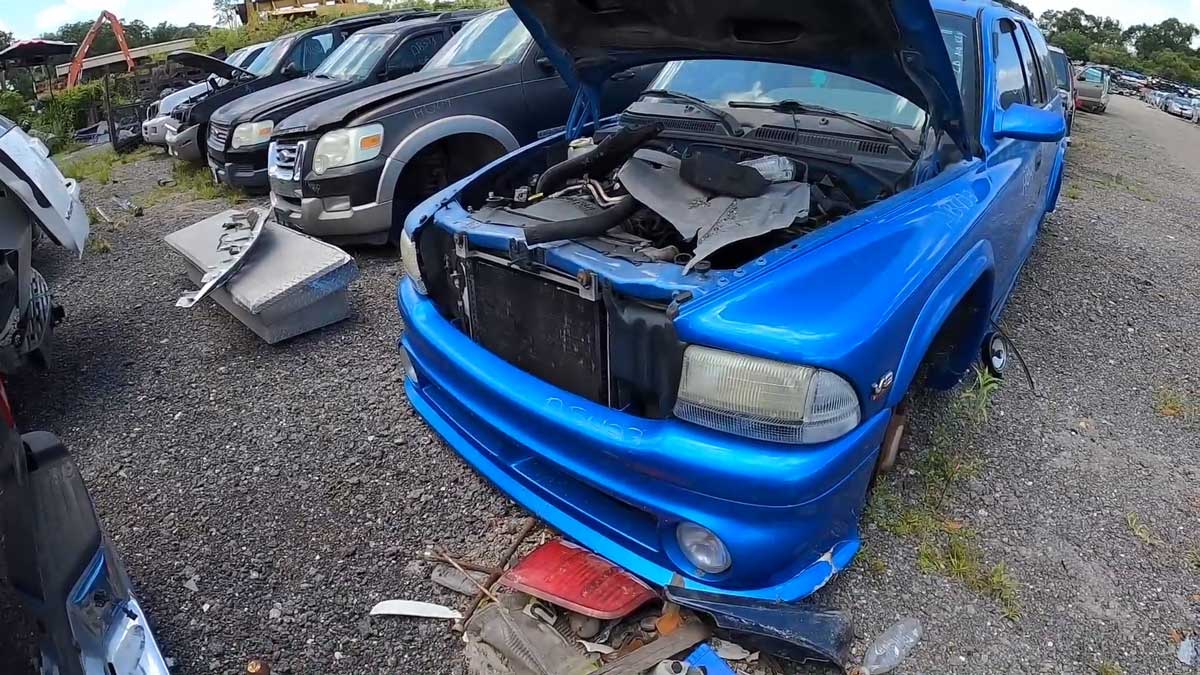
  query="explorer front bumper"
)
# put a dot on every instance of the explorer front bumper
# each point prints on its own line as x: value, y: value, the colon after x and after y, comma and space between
x: 619, y: 484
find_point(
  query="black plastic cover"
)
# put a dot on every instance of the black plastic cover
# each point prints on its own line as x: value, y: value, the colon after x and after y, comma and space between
x: 711, y: 172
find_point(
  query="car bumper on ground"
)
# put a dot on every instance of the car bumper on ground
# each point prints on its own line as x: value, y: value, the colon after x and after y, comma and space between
x: 154, y: 130
x: 185, y: 143
x: 334, y: 218
x: 620, y: 484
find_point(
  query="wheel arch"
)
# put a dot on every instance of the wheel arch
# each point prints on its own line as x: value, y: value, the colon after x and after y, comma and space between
x: 959, y: 309
x: 433, y: 132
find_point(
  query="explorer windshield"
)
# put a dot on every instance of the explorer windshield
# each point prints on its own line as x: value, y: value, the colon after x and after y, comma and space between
x: 265, y: 63
x: 718, y: 82
x: 497, y: 38
x: 357, y: 58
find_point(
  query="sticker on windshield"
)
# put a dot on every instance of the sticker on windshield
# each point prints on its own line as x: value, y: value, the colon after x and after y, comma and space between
x: 955, y: 45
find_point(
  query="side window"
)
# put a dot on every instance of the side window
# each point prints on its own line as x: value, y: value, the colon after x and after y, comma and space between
x: 1093, y: 75
x: 311, y: 51
x: 1010, y: 78
x: 414, y: 53
x: 1046, y: 63
x: 1037, y: 94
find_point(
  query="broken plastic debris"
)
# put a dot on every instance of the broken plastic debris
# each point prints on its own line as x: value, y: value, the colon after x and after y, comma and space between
x: 1189, y: 653
x: 775, y: 168
x: 527, y: 645
x: 582, y: 582
x: 709, y: 661
x: 414, y: 608
x: 891, y: 647
x: 731, y: 651
x: 596, y: 647
x: 459, y: 582
x: 190, y: 584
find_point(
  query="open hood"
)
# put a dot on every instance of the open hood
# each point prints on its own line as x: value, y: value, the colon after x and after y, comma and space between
x: 209, y: 65
x: 895, y: 44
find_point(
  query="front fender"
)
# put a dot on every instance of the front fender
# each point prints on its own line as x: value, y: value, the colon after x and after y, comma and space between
x: 977, y: 264
x: 434, y: 131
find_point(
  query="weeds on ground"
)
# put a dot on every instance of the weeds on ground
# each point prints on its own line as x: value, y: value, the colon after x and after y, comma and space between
x: 98, y: 167
x: 1176, y: 404
x: 1108, y: 668
x: 871, y: 561
x: 1073, y: 192
x: 1139, y: 530
x: 98, y: 244
x: 1191, y: 560
x: 946, y: 546
x: 195, y: 181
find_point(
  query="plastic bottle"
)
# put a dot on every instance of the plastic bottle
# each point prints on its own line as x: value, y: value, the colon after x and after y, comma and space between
x: 889, y: 649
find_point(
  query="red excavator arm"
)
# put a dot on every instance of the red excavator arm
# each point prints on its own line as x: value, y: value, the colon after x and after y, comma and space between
x: 81, y: 54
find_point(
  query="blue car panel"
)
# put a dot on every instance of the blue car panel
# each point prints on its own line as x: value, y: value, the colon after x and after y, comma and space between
x: 866, y: 297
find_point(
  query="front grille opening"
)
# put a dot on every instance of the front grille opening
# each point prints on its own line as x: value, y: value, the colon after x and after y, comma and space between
x: 614, y: 351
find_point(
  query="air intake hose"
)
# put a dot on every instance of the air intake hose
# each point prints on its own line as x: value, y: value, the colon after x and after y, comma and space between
x: 610, y: 154
x: 587, y: 226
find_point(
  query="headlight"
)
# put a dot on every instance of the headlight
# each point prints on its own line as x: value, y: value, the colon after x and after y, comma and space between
x: 702, y: 548
x: 408, y: 258
x: 252, y: 133
x: 343, y: 147
x: 764, y: 399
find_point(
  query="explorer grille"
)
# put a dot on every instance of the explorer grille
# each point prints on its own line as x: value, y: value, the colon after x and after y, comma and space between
x: 218, y: 135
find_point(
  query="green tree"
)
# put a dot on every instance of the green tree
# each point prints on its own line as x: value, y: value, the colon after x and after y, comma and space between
x: 1074, y: 43
x: 1016, y: 7
x: 6, y: 39
x: 1170, y: 35
x: 1174, y: 65
x: 1100, y: 29
x: 1111, y: 55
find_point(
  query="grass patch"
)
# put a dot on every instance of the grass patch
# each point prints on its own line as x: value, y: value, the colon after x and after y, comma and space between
x: 1175, y: 404
x: 98, y: 244
x: 1073, y: 192
x: 194, y: 181
x: 1108, y: 668
x: 1139, y: 530
x: 946, y: 546
x: 871, y: 561
x: 98, y: 166
x: 1191, y: 560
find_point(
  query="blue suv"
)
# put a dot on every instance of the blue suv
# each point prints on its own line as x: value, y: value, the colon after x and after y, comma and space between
x: 684, y: 336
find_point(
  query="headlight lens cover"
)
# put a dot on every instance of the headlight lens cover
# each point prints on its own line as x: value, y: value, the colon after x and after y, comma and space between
x: 408, y: 258
x: 343, y: 147
x: 702, y: 548
x: 252, y: 133
x: 764, y: 399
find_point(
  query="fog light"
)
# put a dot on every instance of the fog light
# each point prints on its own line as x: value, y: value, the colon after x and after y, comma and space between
x: 702, y: 548
x: 341, y: 203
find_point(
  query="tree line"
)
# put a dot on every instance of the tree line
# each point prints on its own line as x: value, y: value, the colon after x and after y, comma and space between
x: 1163, y: 49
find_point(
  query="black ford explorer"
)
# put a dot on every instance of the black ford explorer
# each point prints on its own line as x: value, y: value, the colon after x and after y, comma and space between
x: 237, y: 148
x: 350, y: 168
x: 288, y: 57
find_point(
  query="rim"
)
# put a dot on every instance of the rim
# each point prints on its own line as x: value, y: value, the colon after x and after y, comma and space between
x: 997, y: 353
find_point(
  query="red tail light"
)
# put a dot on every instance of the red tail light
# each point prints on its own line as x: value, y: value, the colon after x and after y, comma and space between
x: 583, y: 582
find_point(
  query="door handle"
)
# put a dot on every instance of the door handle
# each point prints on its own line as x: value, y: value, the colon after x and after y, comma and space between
x: 623, y: 75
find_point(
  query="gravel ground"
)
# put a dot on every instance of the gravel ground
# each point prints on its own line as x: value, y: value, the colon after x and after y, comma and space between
x: 294, y: 486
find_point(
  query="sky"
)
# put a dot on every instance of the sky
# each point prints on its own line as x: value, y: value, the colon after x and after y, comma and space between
x: 30, y: 18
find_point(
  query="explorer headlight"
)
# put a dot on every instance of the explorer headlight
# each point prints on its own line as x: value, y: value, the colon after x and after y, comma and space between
x: 764, y: 399
x: 343, y: 147
x: 252, y: 133
x: 408, y: 258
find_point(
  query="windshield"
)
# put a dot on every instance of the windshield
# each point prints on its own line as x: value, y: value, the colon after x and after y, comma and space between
x: 265, y: 63
x: 497, y: 38
x: 1183, y: 100
x: 357, y: 58
x: 718, y: 82
x: 1062, y: 70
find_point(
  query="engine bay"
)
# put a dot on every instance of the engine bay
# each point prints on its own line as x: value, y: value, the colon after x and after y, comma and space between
x: 644, y: 197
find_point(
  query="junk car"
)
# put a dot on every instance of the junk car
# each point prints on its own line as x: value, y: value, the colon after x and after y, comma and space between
x: 286, y: 58
x: 684, y: 337
x: 154, y: 129
x: 348, y: 169
x: 237, y: 148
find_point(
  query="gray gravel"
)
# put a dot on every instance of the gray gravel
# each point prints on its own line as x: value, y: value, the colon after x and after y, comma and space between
x: 294, y: 485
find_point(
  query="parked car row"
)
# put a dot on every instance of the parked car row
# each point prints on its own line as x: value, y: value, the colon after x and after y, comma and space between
x: 667, y: 289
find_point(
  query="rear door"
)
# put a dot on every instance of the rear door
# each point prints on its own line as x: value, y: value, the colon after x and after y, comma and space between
x: 1039, y: 71
x: 414, y: 52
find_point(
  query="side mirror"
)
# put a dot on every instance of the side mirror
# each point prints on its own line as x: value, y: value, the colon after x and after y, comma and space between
x: 290, y: 70
x: 1026, y: 123
x: 1082, y: 77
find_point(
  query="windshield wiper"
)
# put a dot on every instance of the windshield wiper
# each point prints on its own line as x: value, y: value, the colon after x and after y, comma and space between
x: 731, y: 123
x: 790, y: 107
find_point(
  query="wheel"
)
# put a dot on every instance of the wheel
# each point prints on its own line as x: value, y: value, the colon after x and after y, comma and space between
x: 995, y: 353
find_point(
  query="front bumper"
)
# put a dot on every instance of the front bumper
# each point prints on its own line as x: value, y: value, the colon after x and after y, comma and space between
x: 185, y: 143
x: 620, y: 484
x: 335, y: 218
x: 246, y: 170
x: 154, y: 130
